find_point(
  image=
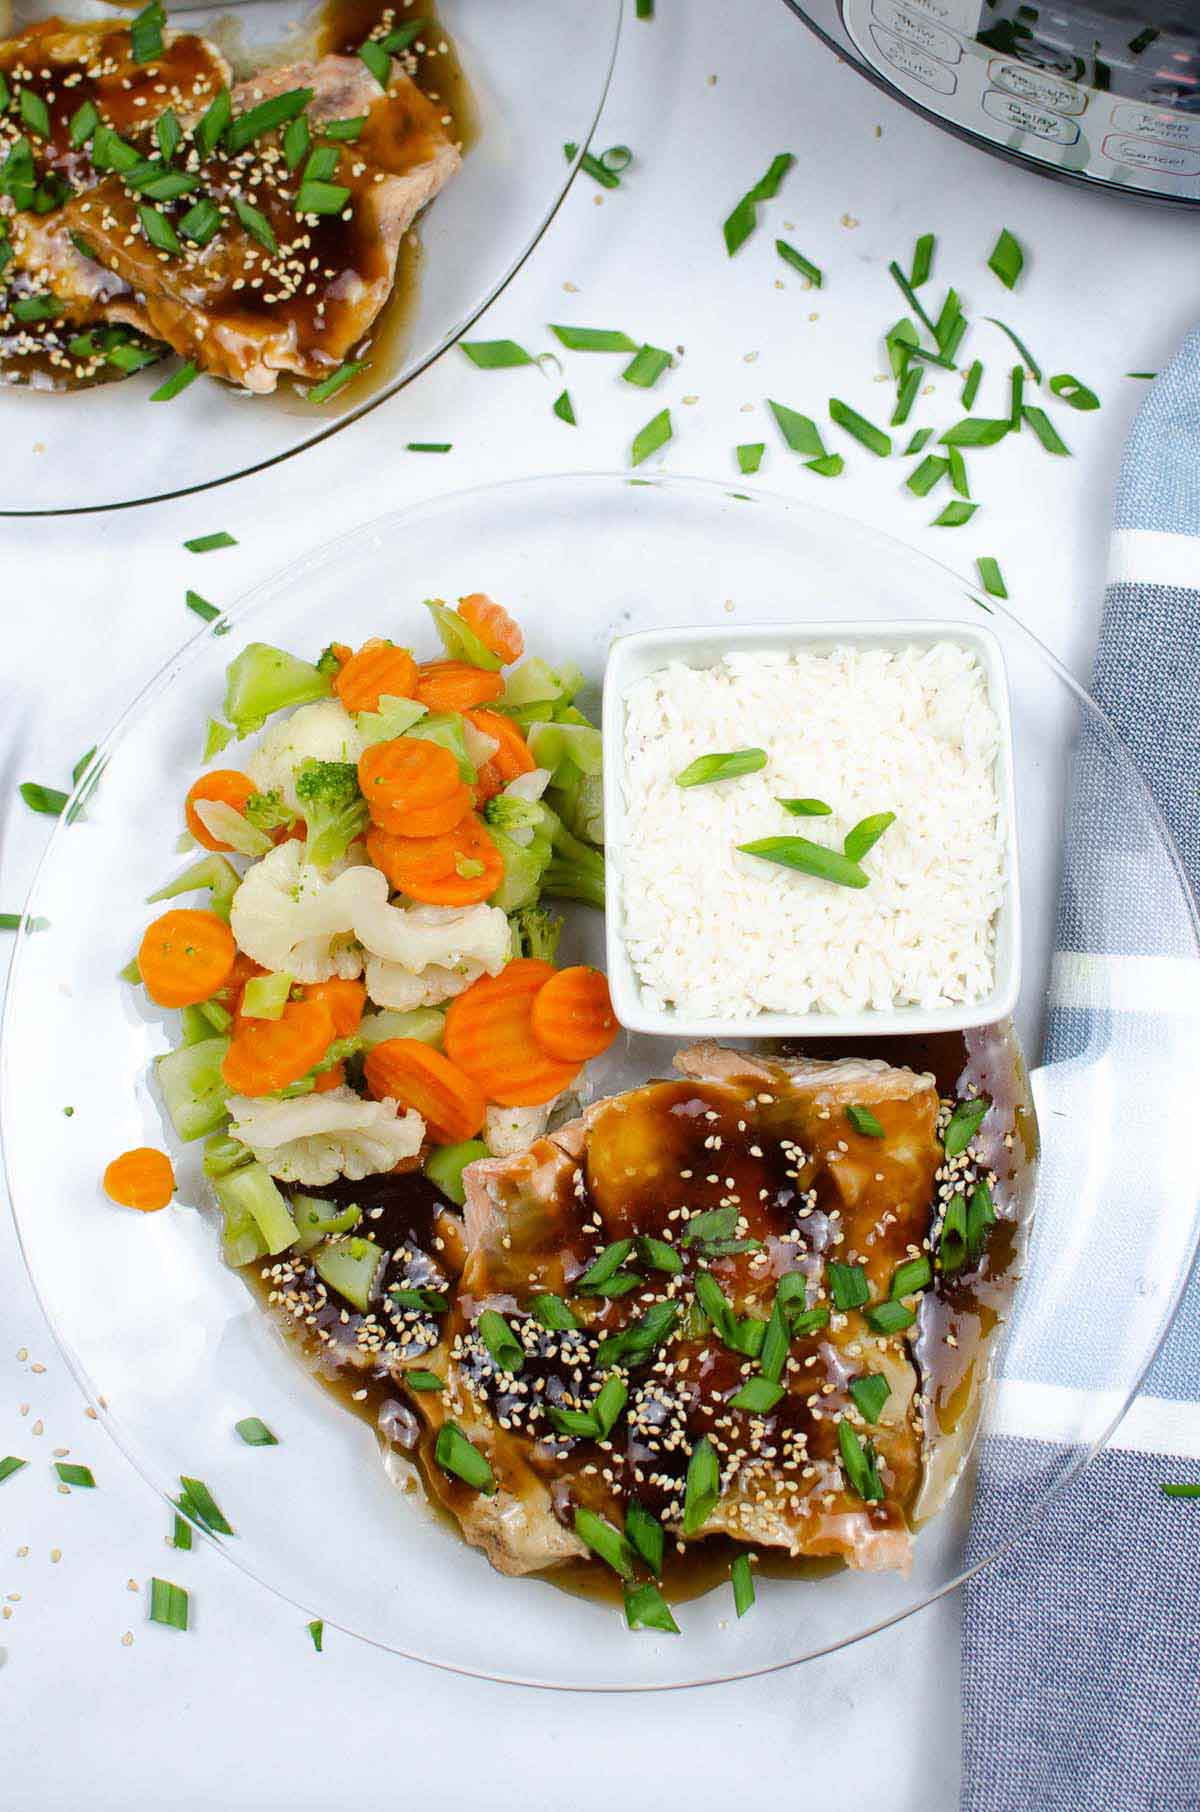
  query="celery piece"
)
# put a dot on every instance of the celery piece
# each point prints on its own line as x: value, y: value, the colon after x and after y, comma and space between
x: 552, y: 744
x: 317, y: 1220
x: 424, y: 1023
x: 216, y: 1017
x: 445, y: 1164
x: 241, y: 1241
x: 214, y: 873
x: 226, y: 825
x: 535, y: 683
x: 394, y: 717
x: 459, y: 639
x: 194, y: 1025
x: 579, y: 801
x: 524, y: 867
x: 217, y: 737
x: 265, y: 996
x: 193, y: 1090
x: 262, y: 680
x: 223, y: 1153
x: 350, y: 1266
x: 446, y: 728
x: 252, y: 1190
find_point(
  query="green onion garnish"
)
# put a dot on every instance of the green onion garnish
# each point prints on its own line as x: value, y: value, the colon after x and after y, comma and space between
x: 296, y: 141
x: 858, y: 1458
x: 742, y: 1581
x: 422, y: 1380
x: 901, y: 342
x: 429, y: 446
x: 930, y: 472
x: 595, y: 339
x: 703, y: 1486
x: 1021, y: 347
x: 808, y: 1321
x: 870, y: 1393
x: 421, y: 1299
x: 377, y: 61
x: 593, y: 167
x: 212, y: 123
x: 604, y: 1268
x: 1180, y: 1490
x: 871, y: 437
x: 37, y: 308
x: 552, y: 1312
x: 955, y: 515
x: 1007, y: 259
x: 181, y: 1534
x: 799, y: 431
x: 830, y: 465
x: 495, y: 355
x: 658, y: 1255
x: 565, y: 409
x: 920, y: 439
x: 34, y: 113
x: 645, y: 9
x: 977, y: 431
x: 168, y: 134
x: 265, y: 118
x: 744, y: 218
x: 913, y: 1275
x: 501, y: 1342
x: 646, y: 1535
x: 10, y: 1464
x: 712, y: 1224
x: 952, y: 1241
x: 964, y: 1123
x: 971, y: 383
x: 750, y: 457
x: 981, y: 1215
x: 950, y: 326
x: 865, y: 1122
x: 132, y: 358
x: 1148, y: 375
x: 799, y: 262
x: 401, y: 36
x: 44, y: 799
x: 455, y: 1454
x: 645, y: 1606
x: 316, y: 1630
x: 168, y: 1604
x: 201, y: 606
x: 647, y: 366
x: 889, y: 1317
x: 990, y: 576
x: 83, y: 123
x: 775, y: 1342
x: 202, y: 221
x: 862, y: 837
x: 655, y: 434
x: 344, y: 132
x: 922, y: 264
x: 198, y: 1502
x: 640, y: 1338
x: 607, y: 1405
x: 159, y: 231
x: 146, y: 32
x: 809, y: 858
x: 255, y: 1432
x: 717, y: 1307
x: 906, y: 396
x: 847, y: 1285
x: 337, y: 380
x: 706, y: 769
x: 604, y: 1540
x: 177, y: 382
x: 209, y: 544
x: 758, y: 1395
x: 806, y: 808
x: 321, y: 198
x: 256, y: 224
x: 1075, y: 394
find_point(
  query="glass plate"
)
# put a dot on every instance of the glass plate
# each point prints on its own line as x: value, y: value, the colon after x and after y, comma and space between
x: 176, y: 1351
x: 538, y: 73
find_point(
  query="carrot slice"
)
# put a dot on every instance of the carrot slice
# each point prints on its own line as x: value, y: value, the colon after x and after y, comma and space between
x: 224, y: 786
x: 493, y: 625
x: 449, y: 1102
x: 328, y: 1079
x: 488, y: 782
x: 456, y: 686
x: 235, y: 982
x: 489, y: 1034
x: 378, y: 670
x: 185, y: 957
x: 408, y: 775
x: 572, y: 1016
x: 431, y: 869
x: 142, y: 1178
x: 512, y: 757
x: 267, y: 1054
x: 345, y: 1000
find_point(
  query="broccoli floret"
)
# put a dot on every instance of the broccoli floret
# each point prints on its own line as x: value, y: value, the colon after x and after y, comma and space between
x: 329, y: 664
x: 263, y: 680
x: 575, y: 871
x: 508, y: 813
x: 536, y: 931
x: 335, y: 812
x: 267, y: 811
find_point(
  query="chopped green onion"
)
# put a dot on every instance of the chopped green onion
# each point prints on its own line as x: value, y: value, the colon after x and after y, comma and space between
x: 132, y: 358
x: 181, y: 1534
x: 646, y: 1534
x: 712, y: 1224
x: 806, y: 808
x: 913, y: 1275
x: 706, y: 769
x: 455, y: 1454
x: 901, y: 341
x: 908, y: 292
x: 799, y: 431
x: 1021, y: 347
x: 955, y: 515
x: 198, y: 1502
x: 809, y: 858
x: 1075, y: 394
x: 889, y: 1317
x: 964, y: 1123
x: 742, y: 1581
x: 377, y: 61
x: 168, y: 1604
x: 952, y: 1240
x: 202, y: 608
x: 799, y: 262
x: 44, y: 799
x: 977, y: 431
x: 202, y: 221
x: 595, y: 339
x: 648, y: 440
x: 931, y: 471
x: 177, y: 382
x: 1180, y: 1490
x: 265, y: 118
x: 255, y: 1432
x: 296, y: 141
x: 950, y: 326
x: 858, y: 1458
x: 593, y: 167
x: 256, y: 224
x: 402, y: 36
x: 702, y: 1488
x: 168, y: 133
x: 1148, y: 375
x: 37, y: 308
x: 421, y: 1299
x: 608, y: 1543
x: 316, y: 1630
x: 830, y: 465
x: 213, y: 123
x: 775, y: 1343
x: 870, y: 1393
x: 971, y: 383
x: 159, y: 231
x: 321, y: 198
x: 646, y: 367
x: 607, y: 1405
x: 865, y: 1122
x: 990, y: 576
x: 716, y: 1306
x: 565, y: 409
x: 337, y: 380
x: 1007, y: 259
x: 871, y: 437
x: 146, y: 32
x: 744, y: 218
x: 645, y: 9
x: 604, y: 1268
x: 10, y: 1464
x: 34, y: 113
x: 552, y: 1312
x: 495, y: 355
x: 906, y: 396
x: 861, y: 839
x: 501, y: 1342
x: 645, y: 1606
x: 344, y: 132
x: 847, y: 1285
x: 981, y: 1215
x: 640, y: 1338
x: 758, y: 1395
x: 958, y: 471
x: 208, y: 544
x: 922, y: 264
x: 750, y: 457
x: 808, y: 1321
x: 920, y: 439
x: 658, y: 1255
x: 428, y: 446
x: 423, y: 1380
x: 83, y: 123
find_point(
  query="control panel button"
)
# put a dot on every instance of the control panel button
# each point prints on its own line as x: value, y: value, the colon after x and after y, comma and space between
x: 1039, y: 122
x: 1151, y: 122
x: 908, y: 23
x: 1144, y: 154
x: 1037, y: 86
x: 913, y: 62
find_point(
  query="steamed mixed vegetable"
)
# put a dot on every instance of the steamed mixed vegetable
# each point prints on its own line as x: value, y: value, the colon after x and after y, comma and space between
x: 371, y: 985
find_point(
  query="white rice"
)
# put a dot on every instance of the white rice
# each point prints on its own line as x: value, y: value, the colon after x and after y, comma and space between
x: 714, y: 933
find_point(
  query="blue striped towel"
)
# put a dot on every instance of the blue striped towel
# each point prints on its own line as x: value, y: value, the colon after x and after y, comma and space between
x: 1081, y: 1644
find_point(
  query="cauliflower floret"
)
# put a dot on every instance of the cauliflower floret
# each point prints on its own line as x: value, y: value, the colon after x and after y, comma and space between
x: 509, y: 1130
x: 316, y: 1138
x: 391, y: 986
x: 416, y: 936
x: 321, y: 732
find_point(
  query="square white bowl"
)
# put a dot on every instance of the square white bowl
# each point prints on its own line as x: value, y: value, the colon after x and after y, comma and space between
x: 634, y: 657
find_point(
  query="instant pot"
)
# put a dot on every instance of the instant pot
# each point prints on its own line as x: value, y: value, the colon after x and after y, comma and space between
x: 1095, y: 93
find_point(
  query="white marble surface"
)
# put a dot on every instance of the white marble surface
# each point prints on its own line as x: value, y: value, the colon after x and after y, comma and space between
x: 240, y: 1713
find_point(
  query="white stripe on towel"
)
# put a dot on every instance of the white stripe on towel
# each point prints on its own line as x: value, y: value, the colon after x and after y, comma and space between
x: 1154, y: 557
x: 1143, y: 984
x: 1052, y: 1412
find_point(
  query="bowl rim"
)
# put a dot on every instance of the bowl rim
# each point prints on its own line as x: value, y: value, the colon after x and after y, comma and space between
x: 189, y: 652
